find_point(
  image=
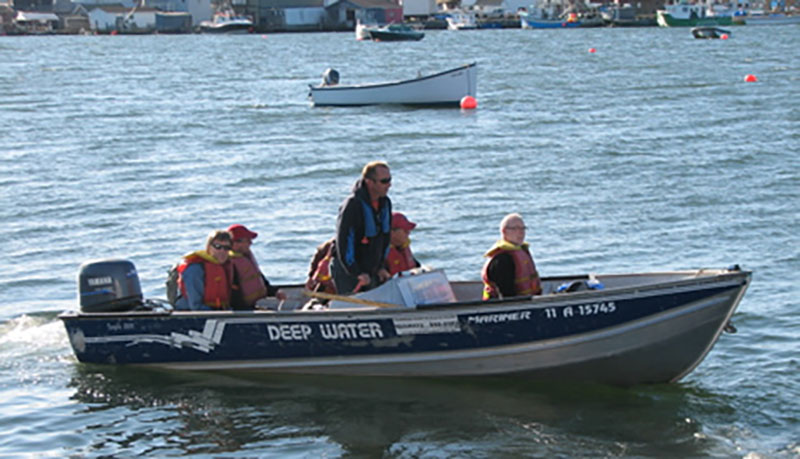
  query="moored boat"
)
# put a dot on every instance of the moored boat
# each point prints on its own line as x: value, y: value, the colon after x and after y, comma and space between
x: 685, y: 14
x: 461, y: 20
x: 394, y: 32
x: 444, y: 88
x: 710, y: 32
x: 617, y: 328
x: 227, y: 22
x: 760, y: 18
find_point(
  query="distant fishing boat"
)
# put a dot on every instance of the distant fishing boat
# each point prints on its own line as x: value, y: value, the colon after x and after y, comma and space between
x: 692, y: 15
x: 618, y: 329
x: 558, y: 15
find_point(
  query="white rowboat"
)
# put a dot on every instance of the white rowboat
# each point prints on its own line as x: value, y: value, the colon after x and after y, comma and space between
x: 445, y: 88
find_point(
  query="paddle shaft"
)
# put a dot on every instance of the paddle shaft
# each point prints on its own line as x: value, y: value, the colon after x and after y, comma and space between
x: 349, y: 299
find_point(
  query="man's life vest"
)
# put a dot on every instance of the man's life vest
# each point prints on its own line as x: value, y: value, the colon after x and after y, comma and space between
x: 217, y: 281
x: 526, y: 278
x: 250, y: 281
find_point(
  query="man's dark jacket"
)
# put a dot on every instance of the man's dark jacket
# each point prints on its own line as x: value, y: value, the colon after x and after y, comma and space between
x: 363, y: 233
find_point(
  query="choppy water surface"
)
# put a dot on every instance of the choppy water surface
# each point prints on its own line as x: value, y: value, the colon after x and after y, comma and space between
x: 650, y: 154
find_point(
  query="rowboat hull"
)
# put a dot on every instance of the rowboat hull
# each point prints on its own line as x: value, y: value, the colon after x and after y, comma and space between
x: 445, y: 88
x: 641, y: 328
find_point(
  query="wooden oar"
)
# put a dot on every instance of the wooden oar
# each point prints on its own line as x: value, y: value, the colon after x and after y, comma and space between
x: 349, y: 299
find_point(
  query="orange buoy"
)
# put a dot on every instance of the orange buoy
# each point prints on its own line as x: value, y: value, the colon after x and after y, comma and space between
x: 723, y: 36
x: 592, y: 50
x: 750, y: 78
x: 469, y: 103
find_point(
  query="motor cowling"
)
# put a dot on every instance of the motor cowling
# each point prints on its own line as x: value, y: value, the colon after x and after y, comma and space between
x: 108, y: 286
x: 330, y: 77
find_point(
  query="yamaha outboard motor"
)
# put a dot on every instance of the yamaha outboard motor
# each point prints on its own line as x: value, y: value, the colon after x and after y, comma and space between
x: 330, y: 77
x: 108, y: 286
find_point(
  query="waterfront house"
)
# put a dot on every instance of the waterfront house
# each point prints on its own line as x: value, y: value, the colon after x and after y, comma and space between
x: 36, y: 23
x: 418, y: 8
x: 311, y: 15
x: 120, y: 19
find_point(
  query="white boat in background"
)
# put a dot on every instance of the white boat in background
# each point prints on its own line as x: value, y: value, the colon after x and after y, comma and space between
x: 444, y: 88
x: 461, y: 20
x: 362, y: 30
x: 758, y: 17
x: 228, y: 22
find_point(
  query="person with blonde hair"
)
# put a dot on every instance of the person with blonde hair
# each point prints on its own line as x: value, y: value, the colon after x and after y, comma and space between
x: 205, y: 276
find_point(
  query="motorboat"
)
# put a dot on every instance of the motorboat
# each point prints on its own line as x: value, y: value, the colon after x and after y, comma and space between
x: 444, y: 88
x: 362, y: 30
x: 541, y: 18
x: 227, y: 22
x: 710, y: 32
x: 461, y: 20
x: 621, y: 329
x: 394, y: 32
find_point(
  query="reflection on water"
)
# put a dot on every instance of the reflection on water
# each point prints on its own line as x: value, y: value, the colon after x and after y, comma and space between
x: 129, y: 408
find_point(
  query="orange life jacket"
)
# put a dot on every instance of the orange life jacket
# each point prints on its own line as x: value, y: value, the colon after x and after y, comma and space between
x: 400, y: 259
x: 322, y: 274
x: 249, y: 276
x: 526, y: 278
x: 217, y: 281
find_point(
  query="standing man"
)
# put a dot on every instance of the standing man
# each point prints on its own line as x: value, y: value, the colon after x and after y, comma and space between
x: 363, y: 229
x: 249, y: 284
x: 510, y: 270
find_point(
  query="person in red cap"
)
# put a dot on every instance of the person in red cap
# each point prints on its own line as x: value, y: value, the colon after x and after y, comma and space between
x: 400, y: 257
x: 249, y: 284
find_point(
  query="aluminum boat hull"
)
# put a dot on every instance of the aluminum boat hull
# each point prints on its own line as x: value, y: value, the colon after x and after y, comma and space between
x: 644, y: 328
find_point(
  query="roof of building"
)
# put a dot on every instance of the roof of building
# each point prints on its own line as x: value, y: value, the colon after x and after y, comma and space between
x: 387, y: 4
x: 120, y: 9
x: 35, y: 16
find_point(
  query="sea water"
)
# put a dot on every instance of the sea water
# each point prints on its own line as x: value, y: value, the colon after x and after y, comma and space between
x: 651, y: 153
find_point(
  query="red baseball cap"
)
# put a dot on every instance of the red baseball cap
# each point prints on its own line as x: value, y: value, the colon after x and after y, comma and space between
x: 241, y: 232
x: 400, y: 221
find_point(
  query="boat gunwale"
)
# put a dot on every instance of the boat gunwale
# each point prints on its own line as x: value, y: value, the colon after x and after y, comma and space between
x: 736, y: 278
x: 390, y: 83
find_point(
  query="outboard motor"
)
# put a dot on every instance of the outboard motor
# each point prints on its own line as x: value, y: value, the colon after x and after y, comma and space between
x: 330, y: 77
x: 108, y: 286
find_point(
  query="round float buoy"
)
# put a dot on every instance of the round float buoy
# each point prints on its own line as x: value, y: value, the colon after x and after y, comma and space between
x: 469, y: 103
x: 723, y: 36
x: 592, y: 50
x: 750, y: 78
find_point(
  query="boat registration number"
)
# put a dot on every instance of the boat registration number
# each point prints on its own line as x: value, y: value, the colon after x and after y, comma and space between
x: 581, y: 310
